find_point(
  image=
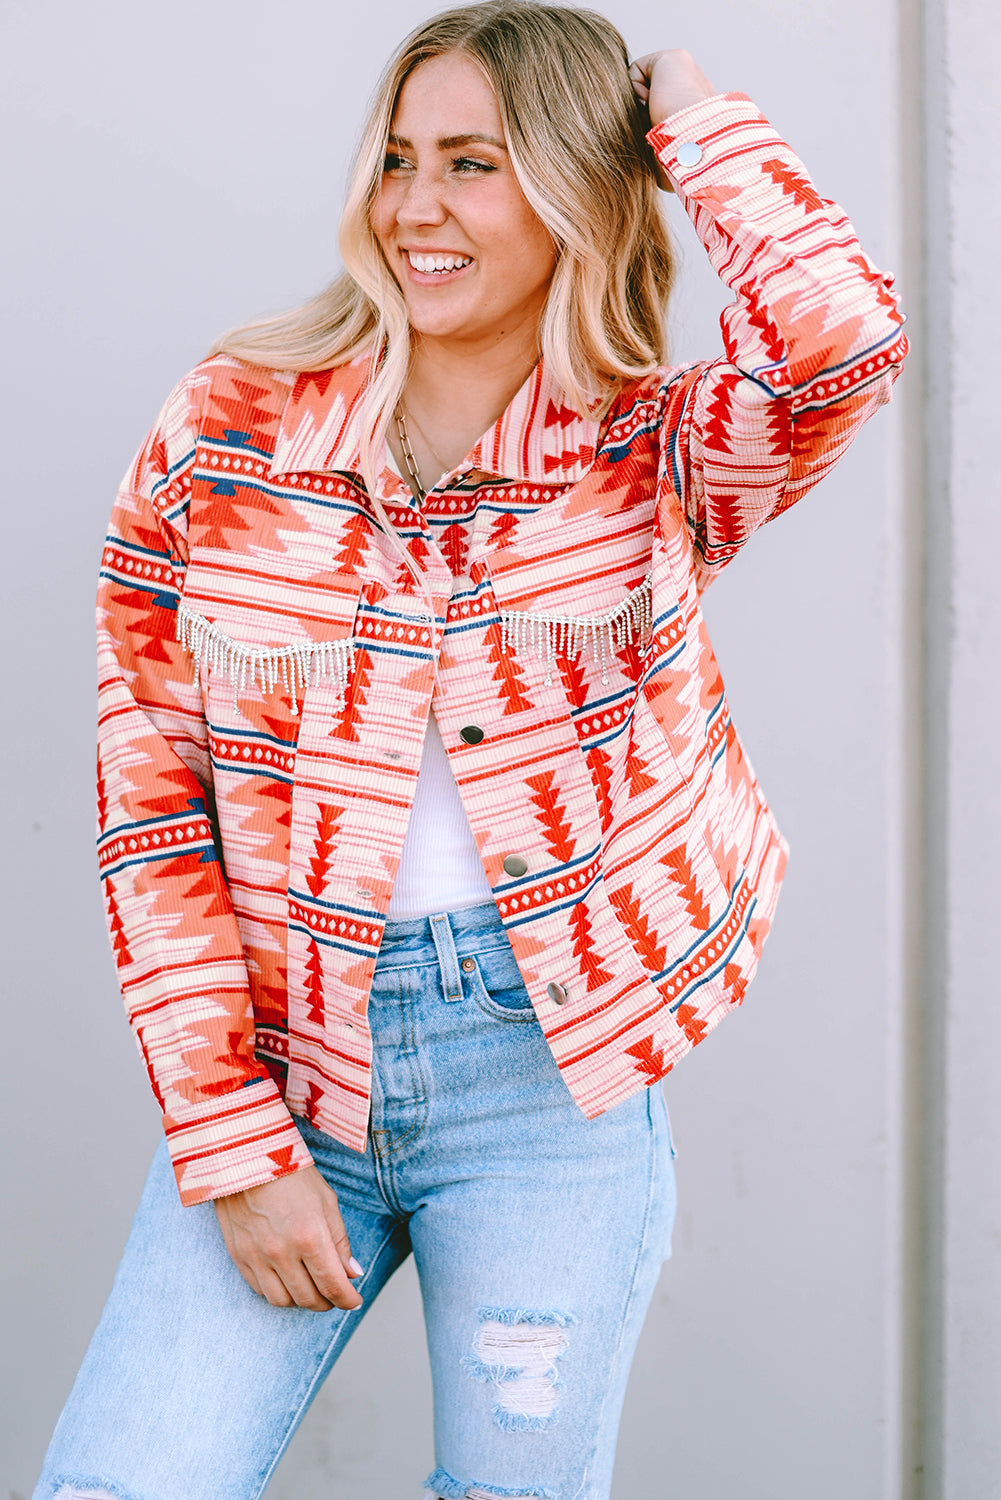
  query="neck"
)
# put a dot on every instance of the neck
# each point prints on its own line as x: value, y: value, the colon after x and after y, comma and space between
x: 456, y: 393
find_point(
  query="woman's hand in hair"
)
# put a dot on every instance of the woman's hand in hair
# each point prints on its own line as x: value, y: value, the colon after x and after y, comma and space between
x: 287, y: 1239
x: 666, y: 82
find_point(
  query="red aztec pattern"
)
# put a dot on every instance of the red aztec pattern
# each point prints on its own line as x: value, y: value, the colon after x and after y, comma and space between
x: 249, y: 838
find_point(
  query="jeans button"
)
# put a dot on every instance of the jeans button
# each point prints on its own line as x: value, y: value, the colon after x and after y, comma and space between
x: 468, y: 965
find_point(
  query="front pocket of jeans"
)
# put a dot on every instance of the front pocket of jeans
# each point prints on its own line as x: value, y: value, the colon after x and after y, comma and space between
x: 496, y: 985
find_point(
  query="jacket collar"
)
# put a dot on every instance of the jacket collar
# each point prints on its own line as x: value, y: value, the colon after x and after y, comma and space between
x: 537, y: 440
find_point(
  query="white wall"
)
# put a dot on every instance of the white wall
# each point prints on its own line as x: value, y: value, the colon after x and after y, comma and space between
x: 825, y: 1327
x: 962, y: 1283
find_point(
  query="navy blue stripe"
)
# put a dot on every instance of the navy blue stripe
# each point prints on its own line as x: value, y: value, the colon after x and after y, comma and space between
x: 599, y: 703
x: 251, y: 734
x: 166, y: 595
x: 552, y: 874
x: 329, y: 942
x: 839, y: 395
x: 221, y: 446
x: 707, y: 935
x: 378, y: 648
x: 216, y: 476
x: 134, y: 547
x: 337, y: 906
x: 721, y: 965
x: 174, y: 469
x: 552, y: 906
x: 162, y: 820
x: 155, y: 857
x: 254, y: 768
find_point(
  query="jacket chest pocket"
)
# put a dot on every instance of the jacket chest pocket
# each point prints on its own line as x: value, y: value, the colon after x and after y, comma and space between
x: 275, y: 640
x: 591, y: 620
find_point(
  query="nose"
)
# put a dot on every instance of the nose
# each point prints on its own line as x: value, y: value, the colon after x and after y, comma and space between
x: 421, y: 203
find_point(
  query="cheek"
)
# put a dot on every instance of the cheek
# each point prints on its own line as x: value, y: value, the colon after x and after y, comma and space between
x: 531, y: 243
x: 538, y: 254
x: 382, y: 214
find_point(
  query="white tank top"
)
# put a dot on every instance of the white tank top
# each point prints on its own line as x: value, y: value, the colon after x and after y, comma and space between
x: 440, y: 867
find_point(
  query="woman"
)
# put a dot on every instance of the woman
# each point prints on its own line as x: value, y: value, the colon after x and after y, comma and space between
x: 449, y: 850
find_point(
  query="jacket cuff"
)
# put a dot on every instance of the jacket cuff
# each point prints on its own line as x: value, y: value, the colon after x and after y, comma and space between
x: 688, y: 143
x: 235, y: 1141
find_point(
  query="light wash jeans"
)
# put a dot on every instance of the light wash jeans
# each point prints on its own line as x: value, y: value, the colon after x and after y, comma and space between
x: 538, y: 1237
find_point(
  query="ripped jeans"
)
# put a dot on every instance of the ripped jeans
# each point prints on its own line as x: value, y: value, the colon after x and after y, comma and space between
x: 538, y: 1237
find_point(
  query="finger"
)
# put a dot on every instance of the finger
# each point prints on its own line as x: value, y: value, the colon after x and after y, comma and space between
x: 330, y: 1278
x: 273, y: 1288
x: 339, y: 1235
x: 327, y: 1256
x: 303, y: 1288
x: 314, y: 1273
x: 249, y: 1275
x: 331, y: 1273
x: 639, y: 81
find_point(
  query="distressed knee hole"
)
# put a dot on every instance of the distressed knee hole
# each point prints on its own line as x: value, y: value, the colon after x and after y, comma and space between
x: 441, y: 1486
x: 71, y: 1492
x: 518, y: 1352
x: 479, y: 1493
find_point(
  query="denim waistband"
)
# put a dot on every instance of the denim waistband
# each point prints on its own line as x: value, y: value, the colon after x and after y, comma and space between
x: 469, y: 921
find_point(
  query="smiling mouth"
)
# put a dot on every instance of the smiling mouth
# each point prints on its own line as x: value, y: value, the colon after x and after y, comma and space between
x: 437, y: 265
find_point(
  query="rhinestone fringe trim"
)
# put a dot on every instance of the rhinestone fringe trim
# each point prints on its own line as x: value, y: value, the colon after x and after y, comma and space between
x: 267, y: 667
x: 550, y: 636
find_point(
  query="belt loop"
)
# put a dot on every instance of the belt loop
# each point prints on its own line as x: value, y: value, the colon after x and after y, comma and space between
x: 448, y: 959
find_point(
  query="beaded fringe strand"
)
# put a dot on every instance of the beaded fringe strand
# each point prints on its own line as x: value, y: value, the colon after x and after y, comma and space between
x: 550, y: 636
x: 292, y: 667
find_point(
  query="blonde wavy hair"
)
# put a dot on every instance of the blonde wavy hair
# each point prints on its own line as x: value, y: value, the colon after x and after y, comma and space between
x: 575, y: 134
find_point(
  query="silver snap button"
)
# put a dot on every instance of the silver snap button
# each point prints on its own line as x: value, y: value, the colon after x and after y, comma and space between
x: 393, y: 754
x: 471, y: 733
x: 689, y: 154
x: 515, y: 865
x: 468, y: 965
x: 556, y: 993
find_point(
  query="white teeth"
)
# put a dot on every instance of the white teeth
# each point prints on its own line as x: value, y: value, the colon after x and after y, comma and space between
x: 431, y: 263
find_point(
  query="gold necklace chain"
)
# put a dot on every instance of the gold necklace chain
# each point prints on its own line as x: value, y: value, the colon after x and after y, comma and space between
x: 409, y: 456
x: 428, y: 443
x: 410, y: 459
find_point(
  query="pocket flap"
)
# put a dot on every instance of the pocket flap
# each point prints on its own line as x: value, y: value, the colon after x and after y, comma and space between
x: 288, y: 642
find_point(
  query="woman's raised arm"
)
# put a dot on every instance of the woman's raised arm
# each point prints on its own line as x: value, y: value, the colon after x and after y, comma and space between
x: 813, y: 340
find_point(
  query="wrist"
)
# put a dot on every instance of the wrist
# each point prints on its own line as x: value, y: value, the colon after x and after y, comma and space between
x: 683, y: 99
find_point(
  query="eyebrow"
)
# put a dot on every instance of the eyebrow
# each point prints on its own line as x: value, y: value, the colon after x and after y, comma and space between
x: 451, y: 142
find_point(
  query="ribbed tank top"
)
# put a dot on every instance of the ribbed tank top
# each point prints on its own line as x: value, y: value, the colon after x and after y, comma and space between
x: 440, y: 867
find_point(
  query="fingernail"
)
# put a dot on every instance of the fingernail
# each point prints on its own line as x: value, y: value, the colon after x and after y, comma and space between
x: 354, y: 1269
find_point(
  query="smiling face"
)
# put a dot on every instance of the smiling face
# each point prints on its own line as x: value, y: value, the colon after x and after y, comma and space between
x: 473, y: 260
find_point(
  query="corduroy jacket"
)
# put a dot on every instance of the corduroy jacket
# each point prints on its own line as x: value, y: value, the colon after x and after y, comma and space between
x: 267, y: 667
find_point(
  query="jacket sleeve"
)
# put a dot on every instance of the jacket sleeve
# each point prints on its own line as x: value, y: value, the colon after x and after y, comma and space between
x: 173, y: 930
x: 813, y: 340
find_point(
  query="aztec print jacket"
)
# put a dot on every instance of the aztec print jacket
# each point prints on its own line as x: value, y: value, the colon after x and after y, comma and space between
x: 266, y: 677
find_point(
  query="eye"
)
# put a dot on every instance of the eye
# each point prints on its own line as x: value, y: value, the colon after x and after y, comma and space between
x: 395, y: 163
x: 470, y: 165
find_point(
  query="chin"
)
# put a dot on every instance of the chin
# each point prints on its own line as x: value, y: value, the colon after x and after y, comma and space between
x: 438, y: 314
x: 441, y: 327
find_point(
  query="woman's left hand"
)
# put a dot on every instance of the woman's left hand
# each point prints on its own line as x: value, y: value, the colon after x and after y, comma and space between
x: 666, y: 82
